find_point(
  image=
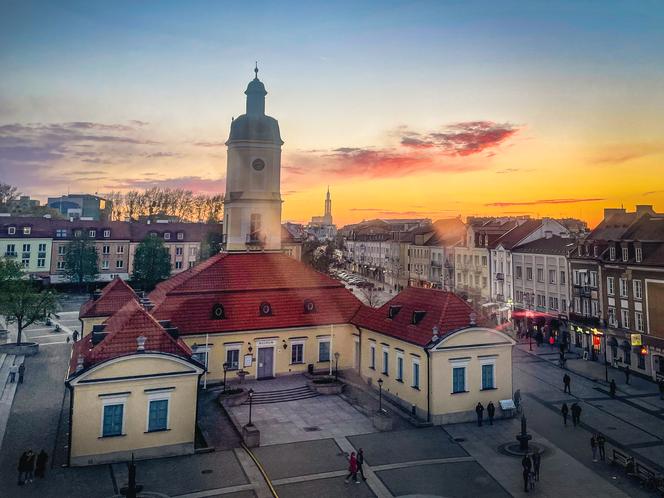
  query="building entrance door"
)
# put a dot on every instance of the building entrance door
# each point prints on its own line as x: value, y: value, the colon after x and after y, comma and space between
x: 356, y: 359
x: 264, y: 370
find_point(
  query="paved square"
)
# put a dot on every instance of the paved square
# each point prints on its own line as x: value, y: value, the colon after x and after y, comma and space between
x: 329, y: 416
x: 446, y: 479
x: 300, y: 459
x: 405, y: 446
x: 333, y: 487
x: 186, y: 474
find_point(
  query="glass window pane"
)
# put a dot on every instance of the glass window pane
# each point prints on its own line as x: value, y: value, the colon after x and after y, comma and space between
x: 158, y: 415
x: 458, y: 376
x: 323, y: 351
x: 487, y: 377
x: 112, y: 420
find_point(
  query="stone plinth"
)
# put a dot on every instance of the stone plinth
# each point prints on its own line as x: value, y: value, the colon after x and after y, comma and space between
x: 251, y: 436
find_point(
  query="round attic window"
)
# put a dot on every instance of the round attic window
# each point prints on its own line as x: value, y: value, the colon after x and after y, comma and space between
x: 258, y: 164
x: 265, y: 309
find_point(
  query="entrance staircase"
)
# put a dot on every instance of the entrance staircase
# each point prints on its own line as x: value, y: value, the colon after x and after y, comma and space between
x: 7, y: 389
x: 283, y: 395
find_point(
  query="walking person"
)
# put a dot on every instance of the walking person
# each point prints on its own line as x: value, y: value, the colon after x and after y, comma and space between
x: 21, y: 468
x: 601, y: 441
x: 21, y: 373
x: 40, y: 467
x: 564, y: 410
x: 360, y: 463
x: 566, y: 382
x: 74, y: 336
x: 29, y: 466
x: 576, y: 414
x: 612, y: 388
x: 352, y: 468
x: 13, y: 370
x: 479, y: 409
x: 537, y: 459
x: 626, y: 374
x: 491, y: 411
x: 593, y: 446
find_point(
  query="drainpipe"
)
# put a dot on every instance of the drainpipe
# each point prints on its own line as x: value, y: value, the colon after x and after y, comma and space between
x: 426, y: 350
x: 71, y: 414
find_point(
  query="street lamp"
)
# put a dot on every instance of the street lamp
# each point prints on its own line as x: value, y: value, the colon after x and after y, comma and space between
x: 336, y: 366
x: 380, y: 395
x: 251, y: 399
x: 225, y: 365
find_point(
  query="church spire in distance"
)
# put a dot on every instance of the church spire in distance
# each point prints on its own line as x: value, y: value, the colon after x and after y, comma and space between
x: 255, y: 93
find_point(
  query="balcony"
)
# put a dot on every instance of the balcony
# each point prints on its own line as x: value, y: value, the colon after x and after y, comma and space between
x: 500, y: 276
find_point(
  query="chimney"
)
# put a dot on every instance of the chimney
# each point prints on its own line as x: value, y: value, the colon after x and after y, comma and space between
x: 140, y: 343
x: 644, y: 208
x: 434, y: 335
x: 79, y: 363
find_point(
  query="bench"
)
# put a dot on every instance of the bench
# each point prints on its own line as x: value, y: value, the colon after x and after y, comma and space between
x: 649, y: 477
x: 619, y: 458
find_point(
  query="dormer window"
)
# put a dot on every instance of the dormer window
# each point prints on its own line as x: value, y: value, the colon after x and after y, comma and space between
x: 309, y: 306
x: 595, y: 251
x: 27, y: 230
x: 625, y: 253
x: 393, y: 311
x: 153, y: 234
x: 265, y: 309
x: 418, y: 316
x: 180, y: 235
x: 11, y: 230
x: 638, y: 253
x: 107, y: 233
x: 92, y: 233
x: 78, y: 233
x: 612, y: 253
x: 167, y: 236
x: 218, y: 312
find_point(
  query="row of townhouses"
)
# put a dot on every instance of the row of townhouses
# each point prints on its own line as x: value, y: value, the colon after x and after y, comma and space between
x: 40, y: 244
x: 602, y: 292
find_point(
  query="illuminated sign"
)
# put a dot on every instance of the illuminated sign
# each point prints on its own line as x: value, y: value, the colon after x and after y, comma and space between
x: 596, y: 340
x: 636, y: 339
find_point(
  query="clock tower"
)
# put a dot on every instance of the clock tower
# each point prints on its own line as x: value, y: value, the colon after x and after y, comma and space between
x: 252, y: 206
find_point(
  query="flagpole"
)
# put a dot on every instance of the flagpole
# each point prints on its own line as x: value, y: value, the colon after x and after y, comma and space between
x: 331, y: 345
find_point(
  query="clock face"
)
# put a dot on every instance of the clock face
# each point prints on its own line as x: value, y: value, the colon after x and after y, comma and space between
x: 258, y: 164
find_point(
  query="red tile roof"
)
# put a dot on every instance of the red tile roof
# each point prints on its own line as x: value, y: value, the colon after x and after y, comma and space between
x: 114, y: 296
x: 122, y: 330
x: 516, y: 234
x: 240, y: 282
x: 443, y: 309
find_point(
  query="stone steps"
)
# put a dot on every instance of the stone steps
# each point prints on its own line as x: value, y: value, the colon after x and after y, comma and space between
x: 282, y: 395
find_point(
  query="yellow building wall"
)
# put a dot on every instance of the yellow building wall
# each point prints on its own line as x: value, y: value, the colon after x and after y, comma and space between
x: 88, y: 323
x: 87, y: 445
x: 470, y: 345
x: 404, y: 391
x: 342, y: 342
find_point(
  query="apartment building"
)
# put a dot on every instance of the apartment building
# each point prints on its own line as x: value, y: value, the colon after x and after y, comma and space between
x: 28, y: 242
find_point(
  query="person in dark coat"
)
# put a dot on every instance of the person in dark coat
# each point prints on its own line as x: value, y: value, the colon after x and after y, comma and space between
x: 74, y: 336
x: 360, y: 463
x: 527, y: 465
x: 601, y: 441
x: 479, y: 409
x: 352, y: 468
x: 566, y: 382
x: 593, y: 446
x: 612, y: 388
x: 537, y: 459
x: 21, y: 468
x: 40, y: 467
x: 626, y: 374
x: 491, y: 411
x: 29, y: 466
x: 564, y: 410
x: 21, y: 373
x: 576, y: 414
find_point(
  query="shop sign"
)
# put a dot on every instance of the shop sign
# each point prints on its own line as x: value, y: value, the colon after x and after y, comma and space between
x: 636, y: 339
x: 596, y: 340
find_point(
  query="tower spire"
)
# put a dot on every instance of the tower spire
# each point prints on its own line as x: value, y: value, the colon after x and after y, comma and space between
x: 256, y: 71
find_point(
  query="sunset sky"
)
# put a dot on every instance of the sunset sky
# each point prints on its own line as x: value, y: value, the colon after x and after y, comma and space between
x: 405, y: 109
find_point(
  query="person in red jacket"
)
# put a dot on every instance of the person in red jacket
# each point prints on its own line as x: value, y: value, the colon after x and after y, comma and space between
x: 352, y: 468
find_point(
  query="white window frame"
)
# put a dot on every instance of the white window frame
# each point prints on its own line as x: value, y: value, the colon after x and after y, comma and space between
x: 180, y: 235
x: 167, y: 236
x: 323, y: 339
x: 610, y: 286
x: 105, y: 264
x: 459, y: 363
x: 638, y: 321
x: 624, y: 318
x: 92, y: 233
x: 625, y: 253
x: 638, y: 254
x: 107, y: 234
x: 119, y: 250
x: 624, y: 287
x: 27, y: 230
x: 233, y: 347
x: 637, y: 289
x: 120, y: 399
x: 158, y: 396
x: 399, y: 357
x: 11, y: 231
x: 415, y: 361
x: 488, y: 361
x: 298, y: 342
x: 612, y: 253
x: 119, y: 264
x: 106, y: 249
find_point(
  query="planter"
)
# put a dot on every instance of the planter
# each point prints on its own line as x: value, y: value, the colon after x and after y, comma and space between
x: 251, y: 436
x: 25, y: 348
x: 382, y: 421
x: 234, y: 399
x: 326, y: 388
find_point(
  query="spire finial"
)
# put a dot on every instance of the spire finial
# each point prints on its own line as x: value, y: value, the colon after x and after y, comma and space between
x: 256, y: 70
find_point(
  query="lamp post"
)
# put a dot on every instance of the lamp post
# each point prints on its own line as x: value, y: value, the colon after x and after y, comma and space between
x: 380, y: 395
x: 251, y: 399
x: 606, y: 361
x: 336, y: 366
x: 225, y: 365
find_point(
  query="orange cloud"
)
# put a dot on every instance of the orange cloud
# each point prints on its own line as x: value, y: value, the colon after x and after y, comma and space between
x: 544, y: 201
